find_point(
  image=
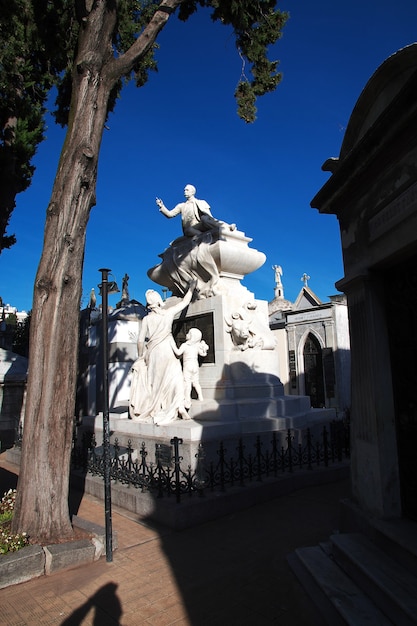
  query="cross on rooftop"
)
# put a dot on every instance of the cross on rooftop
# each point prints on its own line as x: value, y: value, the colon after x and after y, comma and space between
x: 305, y: 278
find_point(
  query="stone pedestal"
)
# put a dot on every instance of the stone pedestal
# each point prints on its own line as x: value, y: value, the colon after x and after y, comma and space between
x: 210, y: 433
x: 242, y: 362
x: 239, y: 376
x: 243, y: 394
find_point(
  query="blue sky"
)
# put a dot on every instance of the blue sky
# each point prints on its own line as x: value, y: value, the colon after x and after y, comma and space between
x: 182, y: 127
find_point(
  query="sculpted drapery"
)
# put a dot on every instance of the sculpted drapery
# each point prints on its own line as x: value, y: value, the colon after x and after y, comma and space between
x: 157, y: 387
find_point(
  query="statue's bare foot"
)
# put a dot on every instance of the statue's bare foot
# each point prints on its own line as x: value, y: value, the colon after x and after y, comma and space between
x: 184, y: 414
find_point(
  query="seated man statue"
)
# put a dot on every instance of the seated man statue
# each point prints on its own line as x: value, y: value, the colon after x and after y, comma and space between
x: 195, y: 214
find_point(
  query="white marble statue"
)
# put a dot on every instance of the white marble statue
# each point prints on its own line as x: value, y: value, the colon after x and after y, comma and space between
x: 193, y: 347
x: 125, y: 287
x: 211, y: 252
x: 190, y: 257
x: 278, y: 273
x: 157, y: 388
x: 195, y: 214
x: 93, y: 299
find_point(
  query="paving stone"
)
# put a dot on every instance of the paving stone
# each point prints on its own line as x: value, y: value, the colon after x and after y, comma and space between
x: 208, y: 569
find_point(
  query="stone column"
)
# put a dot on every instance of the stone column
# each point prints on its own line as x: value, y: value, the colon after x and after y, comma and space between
x: 374, y: 462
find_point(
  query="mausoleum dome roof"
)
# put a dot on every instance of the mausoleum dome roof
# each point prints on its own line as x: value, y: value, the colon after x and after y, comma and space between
x: 381, y: 89
x: 132, y: 310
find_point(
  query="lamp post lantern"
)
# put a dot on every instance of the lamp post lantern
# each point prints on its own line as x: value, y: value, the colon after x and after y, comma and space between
x: 105, y: 289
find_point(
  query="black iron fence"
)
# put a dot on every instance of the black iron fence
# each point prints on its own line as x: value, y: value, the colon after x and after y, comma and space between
x: 167, y: 476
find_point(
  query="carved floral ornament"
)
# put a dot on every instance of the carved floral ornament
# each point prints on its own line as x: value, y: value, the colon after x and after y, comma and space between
x: 247, y: 330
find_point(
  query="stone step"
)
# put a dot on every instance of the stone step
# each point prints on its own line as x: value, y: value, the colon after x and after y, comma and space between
x: 396, y: 537
x: 338, y: 599
x: 390, y: 586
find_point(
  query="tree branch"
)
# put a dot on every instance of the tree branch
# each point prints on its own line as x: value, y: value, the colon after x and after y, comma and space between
x: 124, y: 64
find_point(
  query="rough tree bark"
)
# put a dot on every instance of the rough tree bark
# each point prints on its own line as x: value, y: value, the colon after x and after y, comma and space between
x: 42, y: 500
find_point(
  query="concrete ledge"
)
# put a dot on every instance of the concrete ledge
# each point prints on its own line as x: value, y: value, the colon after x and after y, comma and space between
x: 17, y: 567
x: 13, y: 455
x: 68, y: 555
x: 99, y: 535
x: 34, y: 561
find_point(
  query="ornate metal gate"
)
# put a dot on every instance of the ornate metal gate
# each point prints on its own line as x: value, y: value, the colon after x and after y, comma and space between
x: 313, y: 371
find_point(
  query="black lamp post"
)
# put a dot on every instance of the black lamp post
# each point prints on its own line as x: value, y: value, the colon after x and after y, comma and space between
x: 105, y: 289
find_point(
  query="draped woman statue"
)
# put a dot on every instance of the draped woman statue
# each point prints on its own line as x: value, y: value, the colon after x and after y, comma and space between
x: 157, y: 388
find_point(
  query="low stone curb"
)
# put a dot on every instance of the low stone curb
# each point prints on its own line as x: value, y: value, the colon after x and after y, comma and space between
x: 18, y: 567
x: 63, y: 555
x: 34, y: 561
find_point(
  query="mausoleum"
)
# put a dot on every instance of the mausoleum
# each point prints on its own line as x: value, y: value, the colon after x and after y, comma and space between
x: 313, y: 344
x: 373, y: 192
x: 368, y: 570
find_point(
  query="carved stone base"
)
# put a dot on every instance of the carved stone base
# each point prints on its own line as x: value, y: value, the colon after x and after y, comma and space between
x: 234, y: 421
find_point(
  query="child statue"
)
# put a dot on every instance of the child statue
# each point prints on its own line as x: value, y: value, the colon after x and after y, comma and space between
x: 193, y: 347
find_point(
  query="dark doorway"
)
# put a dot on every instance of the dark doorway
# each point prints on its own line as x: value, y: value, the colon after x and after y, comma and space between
x: 313, y: 372
x: 401, y: 306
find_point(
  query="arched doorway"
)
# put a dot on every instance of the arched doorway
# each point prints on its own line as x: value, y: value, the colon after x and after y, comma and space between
x: 313, y: 372
x: 401, y: 306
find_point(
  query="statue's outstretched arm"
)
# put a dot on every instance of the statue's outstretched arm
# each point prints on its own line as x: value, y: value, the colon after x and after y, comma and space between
x: 185, y: 300
x: 166, y: 211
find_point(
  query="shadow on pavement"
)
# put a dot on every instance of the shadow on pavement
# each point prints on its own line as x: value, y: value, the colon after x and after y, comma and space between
x: 104, y: 601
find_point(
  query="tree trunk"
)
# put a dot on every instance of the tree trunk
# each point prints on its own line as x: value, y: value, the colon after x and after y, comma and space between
x: 42, y: 494
x: 42, y: 500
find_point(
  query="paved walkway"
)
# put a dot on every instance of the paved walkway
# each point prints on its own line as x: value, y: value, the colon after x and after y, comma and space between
x: 227, y: 572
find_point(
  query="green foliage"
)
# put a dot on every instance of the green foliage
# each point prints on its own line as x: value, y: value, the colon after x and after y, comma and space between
x: 6, y: 517
x: 9, y: 542
x: 11, y: 319
x: 38, y: 39
x: 256, y: 25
